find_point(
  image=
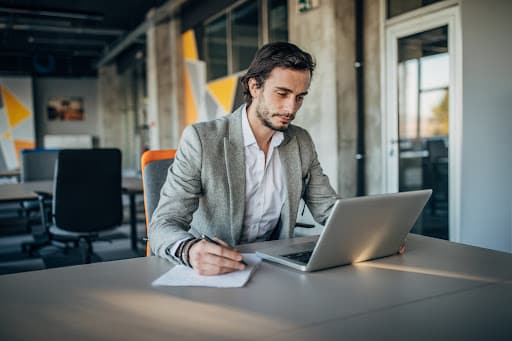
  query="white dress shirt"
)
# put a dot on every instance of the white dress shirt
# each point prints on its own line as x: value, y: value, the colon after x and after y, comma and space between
x: 264, y: 185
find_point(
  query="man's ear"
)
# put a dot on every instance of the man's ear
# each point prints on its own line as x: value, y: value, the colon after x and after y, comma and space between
x: 254, y: 88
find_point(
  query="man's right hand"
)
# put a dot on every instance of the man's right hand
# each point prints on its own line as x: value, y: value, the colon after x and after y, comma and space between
x: 214, y: 259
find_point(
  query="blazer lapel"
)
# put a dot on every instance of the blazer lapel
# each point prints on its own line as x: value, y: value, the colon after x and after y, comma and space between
x: 235, y: 167
x: 290, y: 161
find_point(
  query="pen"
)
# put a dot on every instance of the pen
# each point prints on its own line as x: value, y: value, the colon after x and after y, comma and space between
x: 208, y: 239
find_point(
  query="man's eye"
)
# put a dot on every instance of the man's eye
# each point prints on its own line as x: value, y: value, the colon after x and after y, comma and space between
x: 282, y: 94
x: 300, y: 99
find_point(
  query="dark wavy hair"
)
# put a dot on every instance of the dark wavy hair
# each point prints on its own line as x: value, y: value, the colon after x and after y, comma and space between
x: 270, y: 56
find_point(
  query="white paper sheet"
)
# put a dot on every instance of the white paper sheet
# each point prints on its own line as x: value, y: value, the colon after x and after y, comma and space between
x: 182, y: 276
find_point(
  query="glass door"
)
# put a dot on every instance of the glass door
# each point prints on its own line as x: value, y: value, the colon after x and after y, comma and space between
x: 422, y: 120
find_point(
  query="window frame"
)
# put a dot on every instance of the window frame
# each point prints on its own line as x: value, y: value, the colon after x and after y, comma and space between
x: 263, y: 31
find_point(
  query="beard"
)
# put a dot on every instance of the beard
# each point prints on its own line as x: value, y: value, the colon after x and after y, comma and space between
x: 265, y: 117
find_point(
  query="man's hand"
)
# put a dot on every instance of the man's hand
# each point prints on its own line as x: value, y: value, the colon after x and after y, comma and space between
x: 402, y: 247
x: 213, y: 259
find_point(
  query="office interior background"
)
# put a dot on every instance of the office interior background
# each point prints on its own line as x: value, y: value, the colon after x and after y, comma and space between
x: 406, y: 95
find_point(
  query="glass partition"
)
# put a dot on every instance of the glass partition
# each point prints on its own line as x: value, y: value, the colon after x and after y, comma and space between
x: 423, y: 117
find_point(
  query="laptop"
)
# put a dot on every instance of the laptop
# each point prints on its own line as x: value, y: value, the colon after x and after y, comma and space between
x: 357, y: 230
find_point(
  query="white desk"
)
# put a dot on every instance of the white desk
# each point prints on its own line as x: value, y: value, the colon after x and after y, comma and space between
x: 437, y: 290
x: 10, y: 173
x: 24, y: 190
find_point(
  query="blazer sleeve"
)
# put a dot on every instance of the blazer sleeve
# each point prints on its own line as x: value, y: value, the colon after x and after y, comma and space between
x: 179, y: 196
x: 318, y: 193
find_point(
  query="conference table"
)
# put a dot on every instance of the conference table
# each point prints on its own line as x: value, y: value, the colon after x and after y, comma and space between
x: 436, y: 290
x: 25, y: 191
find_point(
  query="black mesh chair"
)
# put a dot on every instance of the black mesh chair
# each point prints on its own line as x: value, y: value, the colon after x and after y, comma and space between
x: 86, y: 197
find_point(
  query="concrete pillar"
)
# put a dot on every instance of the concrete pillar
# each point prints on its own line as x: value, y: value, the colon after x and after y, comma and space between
x: 164, y: 84
x: 346, y: 95
x: 109, y: 107
x: 329, y: 112
x: 372, y: 88
x: 117, y: 114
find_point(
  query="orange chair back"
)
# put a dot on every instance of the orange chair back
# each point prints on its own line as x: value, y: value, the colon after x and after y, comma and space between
x: 147, y: 158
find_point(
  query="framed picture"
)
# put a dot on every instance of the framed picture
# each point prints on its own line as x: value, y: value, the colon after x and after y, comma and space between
x: 65, y: 109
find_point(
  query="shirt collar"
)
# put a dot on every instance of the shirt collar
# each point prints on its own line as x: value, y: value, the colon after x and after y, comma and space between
x: 248, y: 134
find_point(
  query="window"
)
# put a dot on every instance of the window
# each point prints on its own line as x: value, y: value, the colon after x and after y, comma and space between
x: 278, y: 20
x: 232, y: 37
x: 423, y: 82
x: 244, y: 34
x: 397, y: 7
x: 215, y: 34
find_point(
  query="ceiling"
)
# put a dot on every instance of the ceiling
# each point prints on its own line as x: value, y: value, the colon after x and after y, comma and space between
x: 64, y: 37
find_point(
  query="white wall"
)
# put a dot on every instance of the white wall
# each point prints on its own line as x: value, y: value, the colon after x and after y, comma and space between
x: 486, y: 206
x: 46, y: 88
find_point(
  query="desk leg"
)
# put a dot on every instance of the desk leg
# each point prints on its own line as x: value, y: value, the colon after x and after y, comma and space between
x: 133, y: 222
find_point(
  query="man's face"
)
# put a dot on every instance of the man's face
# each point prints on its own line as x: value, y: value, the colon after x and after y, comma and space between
x: 280, y: 97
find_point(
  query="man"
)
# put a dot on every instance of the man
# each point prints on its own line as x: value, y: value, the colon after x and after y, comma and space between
x: 240, y: 178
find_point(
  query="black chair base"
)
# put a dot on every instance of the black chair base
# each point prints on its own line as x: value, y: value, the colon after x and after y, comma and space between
x: 32, y: 248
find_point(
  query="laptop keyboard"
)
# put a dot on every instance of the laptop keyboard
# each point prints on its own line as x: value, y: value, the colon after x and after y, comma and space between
x: 302, y: 256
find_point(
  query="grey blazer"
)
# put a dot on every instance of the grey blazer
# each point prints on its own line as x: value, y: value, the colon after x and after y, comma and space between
x: 205, y: 187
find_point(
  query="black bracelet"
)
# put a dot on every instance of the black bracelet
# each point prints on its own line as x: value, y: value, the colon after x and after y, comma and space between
x: 185, y: 254
x: 187, y: 251
x: 179, y: 252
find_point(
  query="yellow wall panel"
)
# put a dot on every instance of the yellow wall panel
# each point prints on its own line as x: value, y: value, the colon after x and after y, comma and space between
x: 223, y: 90
x: 16, y: 111
x: 190, y: 105
x: 189, y: 45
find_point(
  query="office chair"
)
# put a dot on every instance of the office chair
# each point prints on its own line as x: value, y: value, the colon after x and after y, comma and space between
x: 37, y: 165
x: 87, y: 197
x: 154, y: 165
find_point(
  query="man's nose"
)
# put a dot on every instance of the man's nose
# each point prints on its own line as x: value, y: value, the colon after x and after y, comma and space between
x: 290, y: 105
